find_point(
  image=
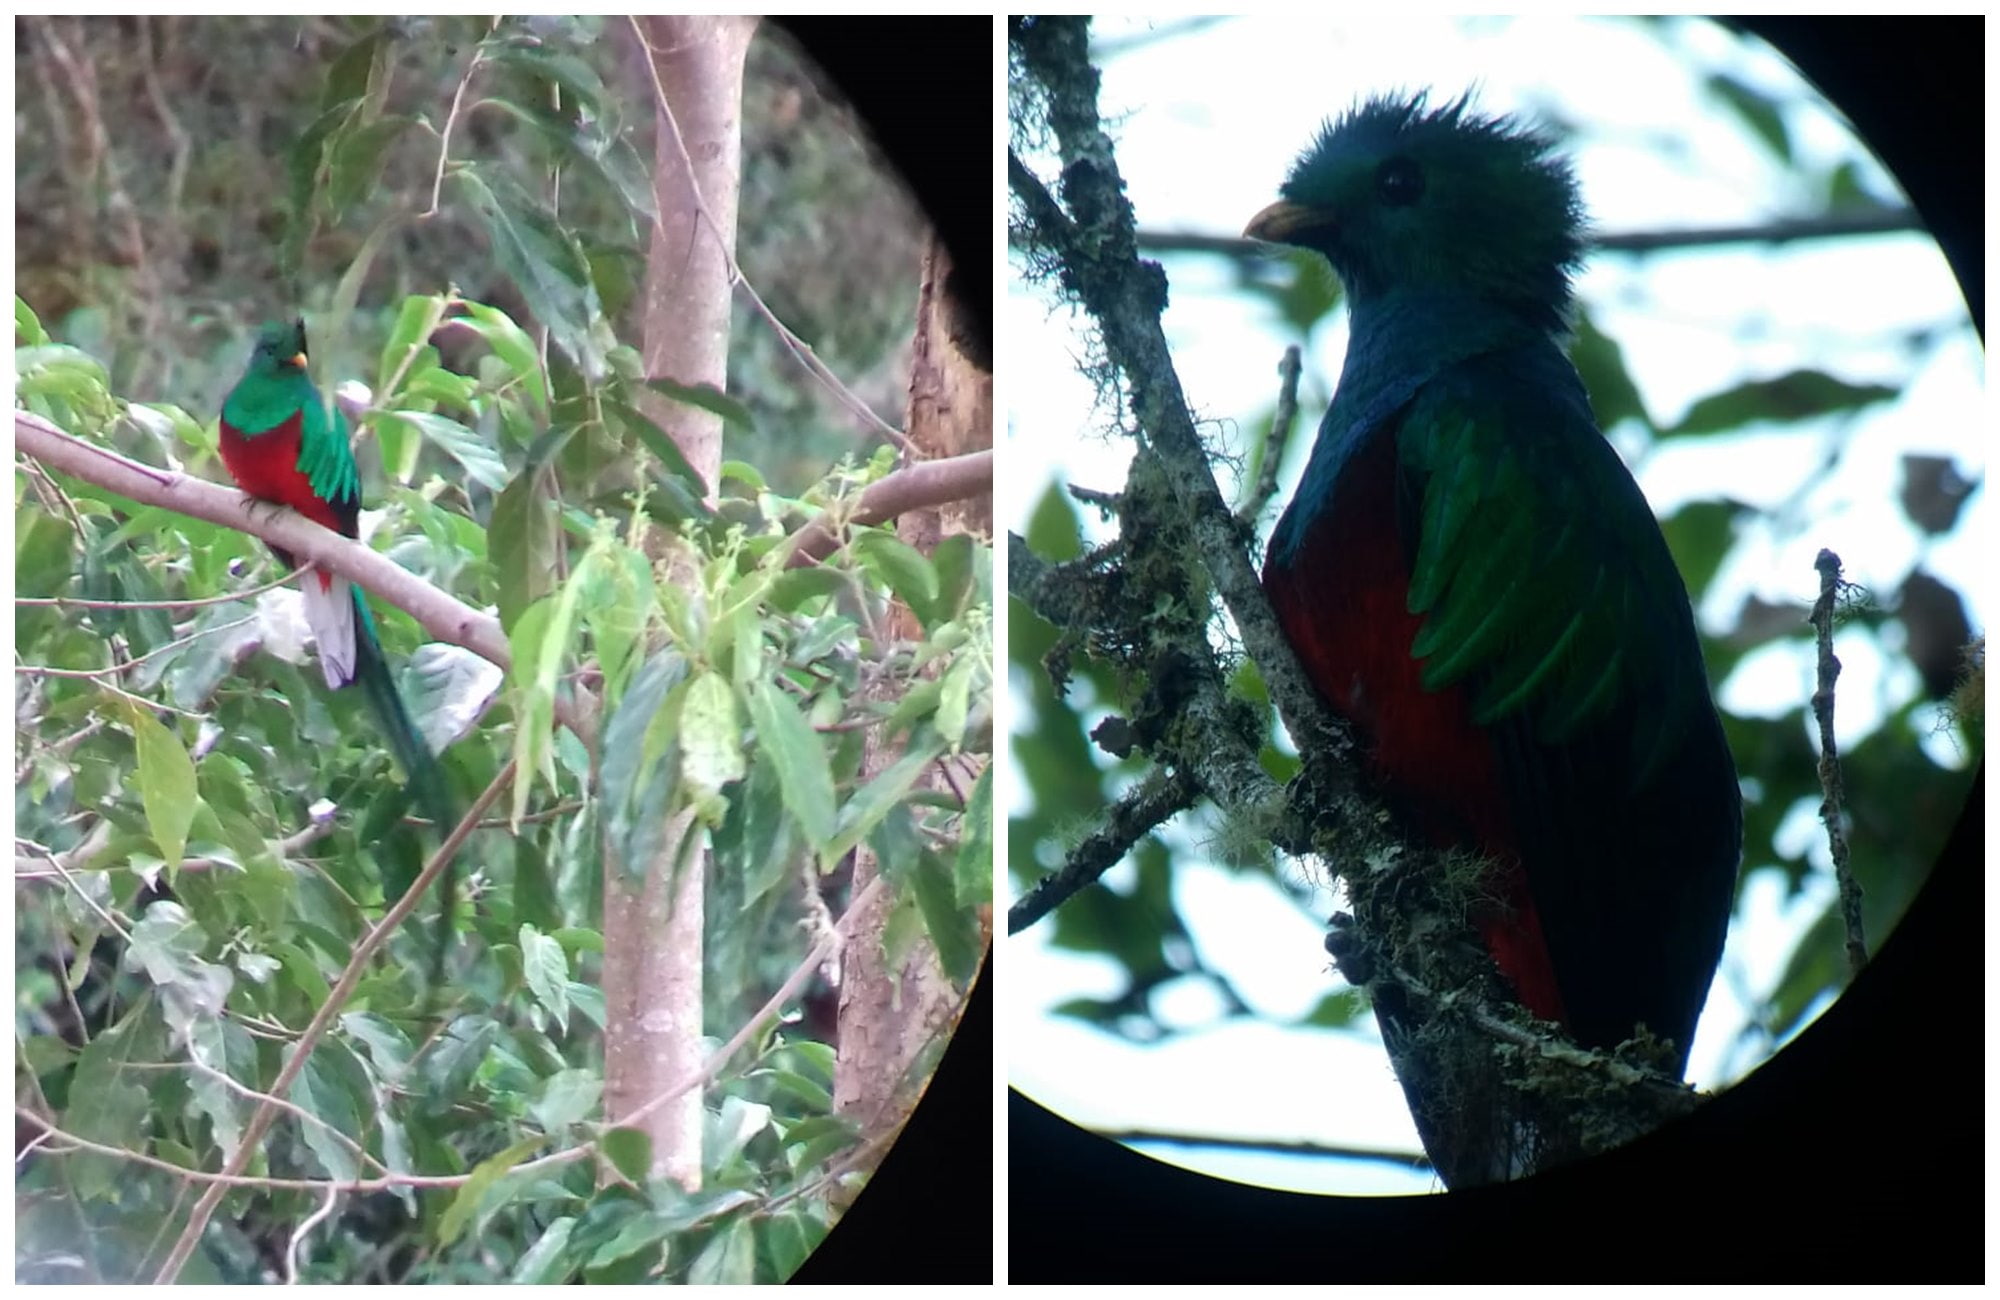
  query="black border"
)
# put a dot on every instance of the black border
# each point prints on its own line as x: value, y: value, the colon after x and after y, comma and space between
x: 925, y: 88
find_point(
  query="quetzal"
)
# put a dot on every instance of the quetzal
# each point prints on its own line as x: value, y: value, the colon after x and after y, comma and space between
x: 1470, y: 575
x: 283, y: 444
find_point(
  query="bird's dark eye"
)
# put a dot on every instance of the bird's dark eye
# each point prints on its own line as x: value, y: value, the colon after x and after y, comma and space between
x: 1400, y: 182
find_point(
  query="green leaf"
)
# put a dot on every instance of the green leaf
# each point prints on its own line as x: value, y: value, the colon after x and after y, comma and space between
x: 954, y: 699
x: 553, y: 67
x: 1757, y: 112
x: 482, y: 464
x: 711, y: 738
x: 546, y: 968
x: 356, y: 70
x: 545, y: 265
x: 974, y: 874
x: 28, y: 331
x: 794, y: 587
x: 567, y: 1098
x: 302, y: 164
x: 636, y: 788
x: 166, y: 784
x: 956, y: 561
x: 620, y: 605
x: 534, y: 747
x: 516, y: 351
x: 800, y: 757
x: 333, y: 1088
x: 522, y: 542
x: 1601, y: 362
x: 485, y: 1178
x: 1700, y: 535
x: 545, y: 1262
x: 953, y: 929
x: 731, y: 1128
x: 872, y: 802
x: 729, y: 1258
x: 709, y: 398
x: 638, y: 1233
x: 356, y: 161
x: 630, y: 1152
x: 1800, y: 395
x: 788, y: 1239
x: 899, y: 566
x: 817, y: 1139
x: 114, y: 1111
x: 815, y: 1099
x: 655, y: 440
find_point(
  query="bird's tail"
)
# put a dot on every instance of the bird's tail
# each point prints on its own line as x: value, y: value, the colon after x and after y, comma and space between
x: 423, y: 775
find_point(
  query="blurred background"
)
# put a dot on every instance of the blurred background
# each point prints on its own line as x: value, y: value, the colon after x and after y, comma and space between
x: 156, y: 165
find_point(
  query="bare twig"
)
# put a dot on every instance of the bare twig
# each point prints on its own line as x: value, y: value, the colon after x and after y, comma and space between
x: 1831, y: 786
x: 306, y: 1225
x: 821, y: 952
x: 197, y: 602
x: 1282, y: 420
x: 1159, y: 796
x: 443, y: 616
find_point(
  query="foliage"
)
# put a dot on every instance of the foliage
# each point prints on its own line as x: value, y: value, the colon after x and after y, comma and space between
x: 215, y: 832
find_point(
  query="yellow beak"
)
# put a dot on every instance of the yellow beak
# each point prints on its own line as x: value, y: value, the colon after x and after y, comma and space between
x: 1284, y: 221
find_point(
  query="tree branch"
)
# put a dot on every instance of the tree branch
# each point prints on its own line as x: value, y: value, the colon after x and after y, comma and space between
x: 914, y: 487
x: 1831, y: 786
x: 441, y: 614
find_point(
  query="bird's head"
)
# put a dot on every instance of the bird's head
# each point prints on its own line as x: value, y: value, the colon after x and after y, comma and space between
x: 1400, y: 196
x: 281, y: 347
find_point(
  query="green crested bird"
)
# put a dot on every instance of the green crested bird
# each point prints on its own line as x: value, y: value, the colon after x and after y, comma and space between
x: 1471, y: 576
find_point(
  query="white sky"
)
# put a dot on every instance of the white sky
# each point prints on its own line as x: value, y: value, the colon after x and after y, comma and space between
x: 1209, y: 119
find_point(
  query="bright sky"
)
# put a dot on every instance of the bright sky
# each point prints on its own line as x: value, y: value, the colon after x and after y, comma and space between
x: 1210, y: 115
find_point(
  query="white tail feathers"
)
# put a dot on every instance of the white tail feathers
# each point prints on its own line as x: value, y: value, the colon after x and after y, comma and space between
x: 330, y: 613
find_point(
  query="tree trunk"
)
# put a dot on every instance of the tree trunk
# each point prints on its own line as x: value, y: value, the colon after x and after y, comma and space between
x: 896, y: 1016
x: 652, y: 921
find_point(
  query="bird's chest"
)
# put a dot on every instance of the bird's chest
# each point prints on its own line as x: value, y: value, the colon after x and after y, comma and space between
x: 1341, y: 594
x: 266, y: 464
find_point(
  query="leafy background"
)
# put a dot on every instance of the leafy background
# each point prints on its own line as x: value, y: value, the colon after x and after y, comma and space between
x: 180, y: 181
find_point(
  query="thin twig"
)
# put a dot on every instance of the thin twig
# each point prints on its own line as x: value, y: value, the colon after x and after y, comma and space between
x: 306, y: 1225
x: 444, y: 136
x: 820, y: 953
x: 70, y: 1141
x: 1159, y: 796
x: 1282, y: 419
x: 1831, y: 784
x: 193, y: 602
x: 350, y: 979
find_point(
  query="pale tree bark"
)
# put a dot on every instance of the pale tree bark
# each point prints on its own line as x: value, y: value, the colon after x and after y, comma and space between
x: 895, y: 1019
x: 653, y: 923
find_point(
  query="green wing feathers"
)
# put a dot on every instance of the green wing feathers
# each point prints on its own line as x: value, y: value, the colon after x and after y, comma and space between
x: 324, y: 455
x: 1541, y: 603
